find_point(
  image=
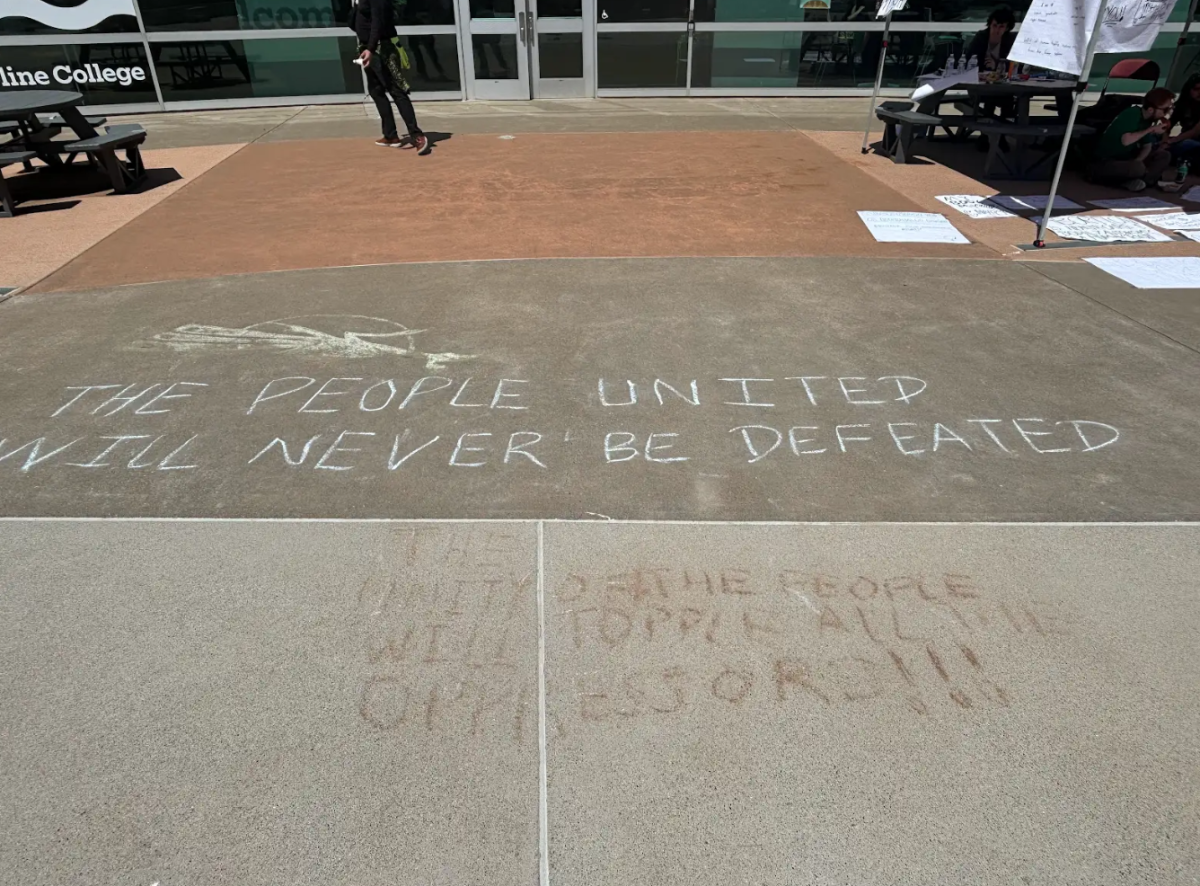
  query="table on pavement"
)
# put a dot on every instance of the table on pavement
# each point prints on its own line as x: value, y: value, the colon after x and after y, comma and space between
x: 1020, y: 94
x: 22, y: 107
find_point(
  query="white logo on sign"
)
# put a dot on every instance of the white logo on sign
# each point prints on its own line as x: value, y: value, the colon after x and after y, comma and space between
x: 66, y: 18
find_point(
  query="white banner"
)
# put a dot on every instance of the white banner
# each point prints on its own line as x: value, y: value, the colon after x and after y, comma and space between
x: 1054, y: 33
x: 886, y: 7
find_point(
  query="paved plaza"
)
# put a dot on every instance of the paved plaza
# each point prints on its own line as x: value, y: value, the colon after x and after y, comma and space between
x: 593, y: 501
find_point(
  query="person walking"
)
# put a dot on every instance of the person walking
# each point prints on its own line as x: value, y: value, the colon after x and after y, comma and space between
x: 374, y: 25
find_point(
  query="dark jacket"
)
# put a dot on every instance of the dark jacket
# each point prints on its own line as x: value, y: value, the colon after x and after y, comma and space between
x: 978, y: 46
x: 1187, y: 112
x: 373, y: 21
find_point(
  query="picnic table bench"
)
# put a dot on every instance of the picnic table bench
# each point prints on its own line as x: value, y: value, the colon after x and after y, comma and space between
x: 1013, y: 147
x: 901, y: 125
x: 7, y: 158
x: 125, y: 175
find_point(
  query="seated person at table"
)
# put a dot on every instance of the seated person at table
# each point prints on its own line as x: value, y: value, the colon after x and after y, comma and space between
x: 993, y: 43
x: 1186, y: 144
x: 1131, y: 152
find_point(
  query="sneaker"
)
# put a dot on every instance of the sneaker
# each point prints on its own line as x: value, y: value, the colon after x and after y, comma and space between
x: 388, y: 142
x: 421, y: 143
x: 1134, y: 184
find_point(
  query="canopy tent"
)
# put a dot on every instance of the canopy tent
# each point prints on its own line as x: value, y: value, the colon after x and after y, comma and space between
x: 1067, y: 38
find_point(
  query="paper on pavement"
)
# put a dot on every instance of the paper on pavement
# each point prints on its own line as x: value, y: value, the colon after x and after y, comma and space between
x: 1103, y: 229
x: 975, y: 206
x: 1174, y: 221
x: 911, y: 227
x: 1181, y: 272
x: 1032, y: 201
x: 1133, y: 204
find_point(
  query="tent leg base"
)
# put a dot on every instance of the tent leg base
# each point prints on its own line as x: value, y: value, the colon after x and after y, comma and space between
x: 1073, y: 244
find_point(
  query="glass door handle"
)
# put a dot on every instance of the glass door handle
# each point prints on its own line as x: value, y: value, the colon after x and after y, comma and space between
x: 521, y: 26
x: 532, y: 27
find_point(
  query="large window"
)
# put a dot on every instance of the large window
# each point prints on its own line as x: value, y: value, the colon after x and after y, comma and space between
x: 642, y: 60
x: 745, y: 60
x: 106, y: 74
x: 618, y: 11
x: 232, y: 69
x: 433, y: 60
x: 245, y: 15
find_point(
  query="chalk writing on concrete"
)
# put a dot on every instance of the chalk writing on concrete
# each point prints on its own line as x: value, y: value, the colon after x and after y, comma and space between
x: 451, y: 658
x: 334, y: 335
x: 778, y: 643
x: 455, y: 656
x: 358, y: 424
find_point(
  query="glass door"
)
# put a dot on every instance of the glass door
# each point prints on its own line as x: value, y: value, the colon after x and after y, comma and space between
x: 495, y: 48
x: 520, y: 49
x: 561, y: 49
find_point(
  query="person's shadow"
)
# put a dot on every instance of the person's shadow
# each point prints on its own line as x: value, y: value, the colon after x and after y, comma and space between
x: 435, y: 138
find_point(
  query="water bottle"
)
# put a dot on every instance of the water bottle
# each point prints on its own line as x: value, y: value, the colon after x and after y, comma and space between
x: 1181, y: 173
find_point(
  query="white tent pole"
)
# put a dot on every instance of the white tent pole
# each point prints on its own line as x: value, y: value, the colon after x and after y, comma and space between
x: 1187, y: 25
x: 887, y: 27
x: 1088, y: 58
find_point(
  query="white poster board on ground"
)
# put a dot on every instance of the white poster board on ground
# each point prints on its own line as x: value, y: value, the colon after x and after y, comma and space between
x: 1133, y: 204
x: 975, y: 206
x: 1054, y: 33
x: 1032, y: 201
x: 1174, y: 221
x: 1153, y: 273
x: 1103, y: 229
x: 911, y: 227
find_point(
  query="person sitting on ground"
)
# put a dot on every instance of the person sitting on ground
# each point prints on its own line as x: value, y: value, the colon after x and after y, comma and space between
x: 992, y: 44
x: 1131, y: 151
x: 1185, y: 145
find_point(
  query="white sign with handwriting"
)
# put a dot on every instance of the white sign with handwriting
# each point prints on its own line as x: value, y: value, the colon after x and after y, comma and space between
x: 1054, y: 34
x: 975, y: 206
x: 1103, y: 229
x: 911, y: 227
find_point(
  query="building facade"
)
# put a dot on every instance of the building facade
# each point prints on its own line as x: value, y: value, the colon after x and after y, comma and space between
x: 192, y: 54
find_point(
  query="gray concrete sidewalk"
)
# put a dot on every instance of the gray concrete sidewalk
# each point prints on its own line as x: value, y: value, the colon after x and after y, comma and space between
x: 713, y: 389
x: 185, y: 129
x: 359, y: 704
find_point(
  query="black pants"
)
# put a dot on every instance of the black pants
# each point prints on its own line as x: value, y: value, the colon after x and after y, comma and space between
x: 380, y: 84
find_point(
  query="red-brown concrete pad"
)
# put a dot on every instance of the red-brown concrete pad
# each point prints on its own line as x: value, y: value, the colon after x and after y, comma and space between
x: 336, y: 202
x: 47, y: 233
x: 922, y: 183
